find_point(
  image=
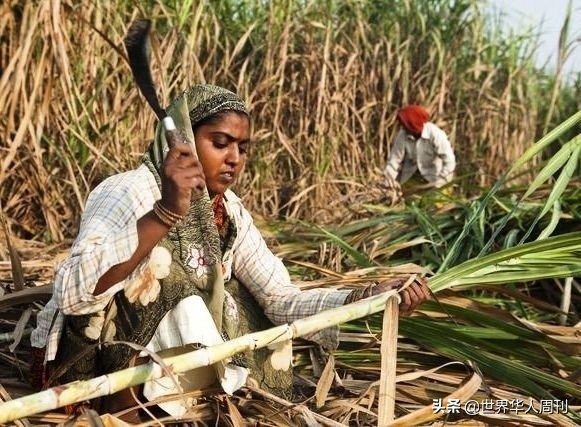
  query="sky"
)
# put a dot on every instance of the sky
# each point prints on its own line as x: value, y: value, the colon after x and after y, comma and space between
x: 549, y: 16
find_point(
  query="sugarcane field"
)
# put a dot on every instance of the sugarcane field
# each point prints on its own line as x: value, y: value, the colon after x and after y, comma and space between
x: 290, y: 213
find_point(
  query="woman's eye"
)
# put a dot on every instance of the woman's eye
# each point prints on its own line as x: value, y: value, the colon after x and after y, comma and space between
x: 220, y: 144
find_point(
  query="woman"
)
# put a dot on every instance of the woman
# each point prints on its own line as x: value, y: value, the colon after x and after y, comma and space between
x: 156, y: 245
x: 420, y: 146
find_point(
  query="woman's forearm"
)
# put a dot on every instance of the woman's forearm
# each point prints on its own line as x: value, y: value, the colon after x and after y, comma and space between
x: 150, y: 231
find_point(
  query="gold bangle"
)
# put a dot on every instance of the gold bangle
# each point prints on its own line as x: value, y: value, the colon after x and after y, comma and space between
x: 162, y: 217
x: 169, y: 213
x: 167, y: 217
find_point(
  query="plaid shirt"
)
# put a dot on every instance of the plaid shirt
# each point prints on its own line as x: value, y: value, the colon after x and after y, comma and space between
x: 108, y: 236
x: 431, y: 153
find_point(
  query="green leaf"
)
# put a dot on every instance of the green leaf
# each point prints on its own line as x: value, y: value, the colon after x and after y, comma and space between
x: 572, y: 121
x: 563, y: 179
x: 360, y: 258
x: 566, y: 245
x: 554, y: 164
x: 548, y: 230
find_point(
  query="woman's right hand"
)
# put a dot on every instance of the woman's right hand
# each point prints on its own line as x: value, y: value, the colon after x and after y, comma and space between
x: 182, y: 175
x: 182, y: 179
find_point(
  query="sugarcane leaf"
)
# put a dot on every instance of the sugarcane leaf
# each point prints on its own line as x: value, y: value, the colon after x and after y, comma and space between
x: 427, y: 413
x: 325, y: 382
x: 567, y: 244
x: 497, y: 323
x: 554, y: 134
x: 555, y: 163
x: 20, y: 327
x: 442, y: 339
x: 235, y: 416
x: 557, y: 191
x: 26, y: 296
x: 524, y: 275
x: 563, y: 179
x: 360, y: 258
x: 548, y: 230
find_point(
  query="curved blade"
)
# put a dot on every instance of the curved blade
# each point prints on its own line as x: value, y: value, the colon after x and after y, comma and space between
x: 137, y: 45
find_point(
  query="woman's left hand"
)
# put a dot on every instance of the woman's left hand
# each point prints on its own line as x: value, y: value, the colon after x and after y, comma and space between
x: 411, y: 296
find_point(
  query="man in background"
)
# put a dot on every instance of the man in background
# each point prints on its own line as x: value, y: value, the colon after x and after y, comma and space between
x: 420, y: 146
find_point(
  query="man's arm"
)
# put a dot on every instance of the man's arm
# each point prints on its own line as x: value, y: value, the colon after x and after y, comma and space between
x: 396, y: 156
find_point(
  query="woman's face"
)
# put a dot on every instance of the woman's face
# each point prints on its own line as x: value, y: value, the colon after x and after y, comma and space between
x: 222, y: 147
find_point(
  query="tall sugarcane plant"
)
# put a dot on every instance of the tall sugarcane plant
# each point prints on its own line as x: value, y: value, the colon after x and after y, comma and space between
x: 483, y: 85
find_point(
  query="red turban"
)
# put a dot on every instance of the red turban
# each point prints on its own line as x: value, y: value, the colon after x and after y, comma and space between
x: 413, y: 118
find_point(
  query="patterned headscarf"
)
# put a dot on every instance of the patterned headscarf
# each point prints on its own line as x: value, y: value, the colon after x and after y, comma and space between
x: 192, y: 106
x: 413, y: 118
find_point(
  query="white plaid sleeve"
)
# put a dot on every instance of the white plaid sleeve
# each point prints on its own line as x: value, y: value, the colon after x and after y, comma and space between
x: 268, y: 280
x: 108, y: 236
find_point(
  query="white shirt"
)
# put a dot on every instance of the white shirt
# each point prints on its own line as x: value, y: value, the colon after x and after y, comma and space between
x: 431, y: 154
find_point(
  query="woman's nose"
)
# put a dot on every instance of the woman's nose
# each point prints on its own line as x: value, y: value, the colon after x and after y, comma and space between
x: 233, y: 156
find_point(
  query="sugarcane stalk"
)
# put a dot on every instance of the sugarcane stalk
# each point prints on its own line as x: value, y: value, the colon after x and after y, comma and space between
x: 79, y: 391
x: 566, y: 300
x: 386, y: 407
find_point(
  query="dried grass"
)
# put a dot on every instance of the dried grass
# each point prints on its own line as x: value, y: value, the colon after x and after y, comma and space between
x: 322, y: 93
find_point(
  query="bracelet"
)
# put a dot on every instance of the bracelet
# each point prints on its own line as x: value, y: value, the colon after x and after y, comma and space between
x: 361, y: 293
x: 171, y: 214
x: 167, y: 217
x: 368, y: 291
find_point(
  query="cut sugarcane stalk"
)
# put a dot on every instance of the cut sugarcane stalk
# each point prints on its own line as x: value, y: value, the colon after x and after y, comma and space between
x: 386, y: 407
x: 80, y: 391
